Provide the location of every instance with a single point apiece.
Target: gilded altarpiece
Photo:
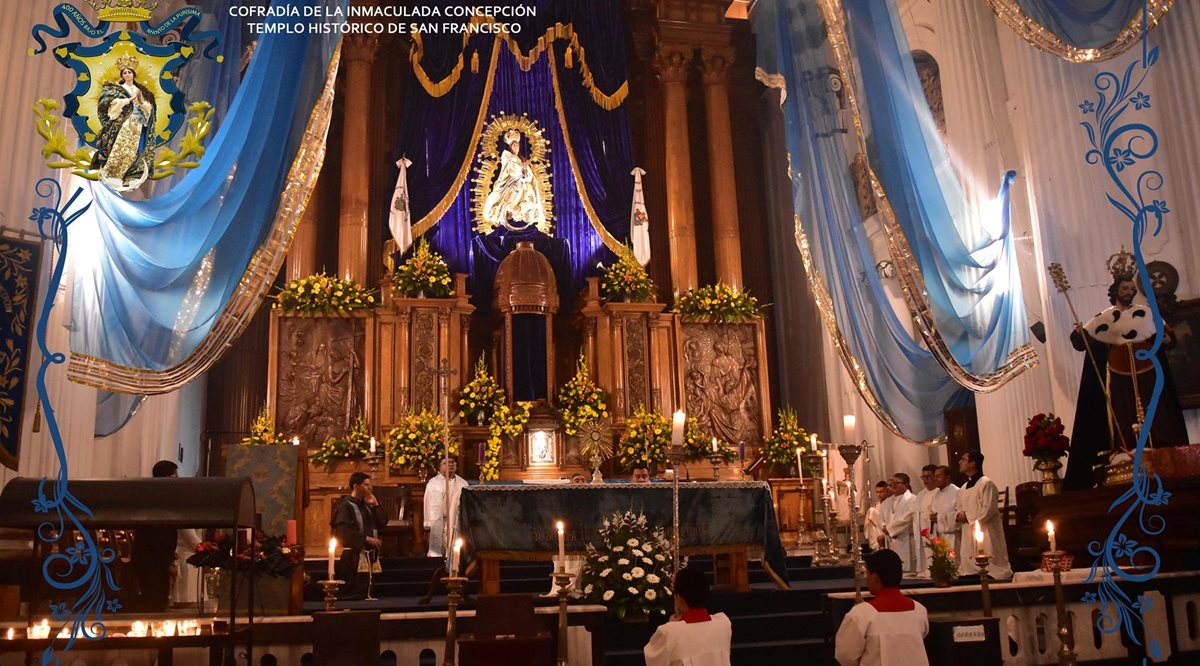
(722, 371)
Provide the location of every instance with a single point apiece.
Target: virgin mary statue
(515, 195)
(127, 114)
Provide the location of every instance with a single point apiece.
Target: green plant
(721, 302)
(943, 565)
(425, 271)
(630, 570)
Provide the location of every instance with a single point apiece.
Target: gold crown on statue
(127, 62)
(512, 135)
(1122, 265)
(134, 11)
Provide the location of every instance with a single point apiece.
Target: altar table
(517, 522)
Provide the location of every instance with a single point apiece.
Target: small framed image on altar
(541, 449)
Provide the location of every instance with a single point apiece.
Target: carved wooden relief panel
(424, 348)
(637, 376)
(319, 376)
(721, 379)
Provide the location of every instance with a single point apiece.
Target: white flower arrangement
(619, 573)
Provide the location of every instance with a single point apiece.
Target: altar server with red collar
(692, 637)
(888, 630)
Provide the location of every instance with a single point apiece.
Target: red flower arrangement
(1044, 437)
(273, 555)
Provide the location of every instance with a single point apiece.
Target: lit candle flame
(978, 534)
(295, 441)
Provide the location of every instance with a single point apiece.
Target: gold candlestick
(1054, 561)
(454, 585)
(850, 453)
(330, 587)
(373, 462)
(562, 579)
(981, 561)
(715, 461)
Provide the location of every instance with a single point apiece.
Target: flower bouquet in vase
(629, 571)
(1046, 443)
(418, 441)
(943, 568)
(481, 396)
(645, 440)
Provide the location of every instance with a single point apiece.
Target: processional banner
(19, 262)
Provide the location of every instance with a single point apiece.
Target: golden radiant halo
(488, 157)
(595, 440)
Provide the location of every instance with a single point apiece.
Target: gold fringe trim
(558, 31)
(907, 269)
(432, 217)
(256, 280)
(1011, 14)
(609, 241)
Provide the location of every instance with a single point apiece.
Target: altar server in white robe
(942, 508)
(888, 630)
(435, 505)
(978, 503)
(921, 521)
(692, 637)
(873, 525)
(885, 514)
(899, 522)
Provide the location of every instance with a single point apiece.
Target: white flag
(639, 221)
(399, 220)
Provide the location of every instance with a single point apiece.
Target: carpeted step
(770, 626)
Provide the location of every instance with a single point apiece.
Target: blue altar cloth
(521, 518)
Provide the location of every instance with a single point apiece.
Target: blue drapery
(1084, 24)
(968, 260)
(972, 287)
(439, 135)
(168, 267)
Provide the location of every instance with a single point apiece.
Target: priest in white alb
(440, 514)
(978, 502)
(921, 521)
(942, 509)
(899, 522)
(873, 525)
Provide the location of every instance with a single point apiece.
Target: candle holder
(454, 586)
(330, 587)
(981, 562)
(824, 548)
(850, 453)
(373, 462)
(715, 461)
(562, 580)
(1055, 561)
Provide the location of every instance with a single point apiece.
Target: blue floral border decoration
(1121, 145)
(82, 567)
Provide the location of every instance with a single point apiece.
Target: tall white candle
(562, 548)
(455, 557)
(332, 548)
(295, 441)
(812, 442)
(800, 462)
(1053, 540)
(714, 444)
(677, 422)
(848, 423)
(372, 446)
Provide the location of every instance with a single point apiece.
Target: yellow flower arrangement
(324, 294)
(721, 302)
(780, 447)
(418, 441)
(356, 445)
(482, 395)
(627, 279)
(262, 431)
(645, 440)
(425, 272)
(697, 445)
(580, 399)
(505, 422)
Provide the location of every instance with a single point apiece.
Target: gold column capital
(360, 48)
(671, 62)
(715, 62)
